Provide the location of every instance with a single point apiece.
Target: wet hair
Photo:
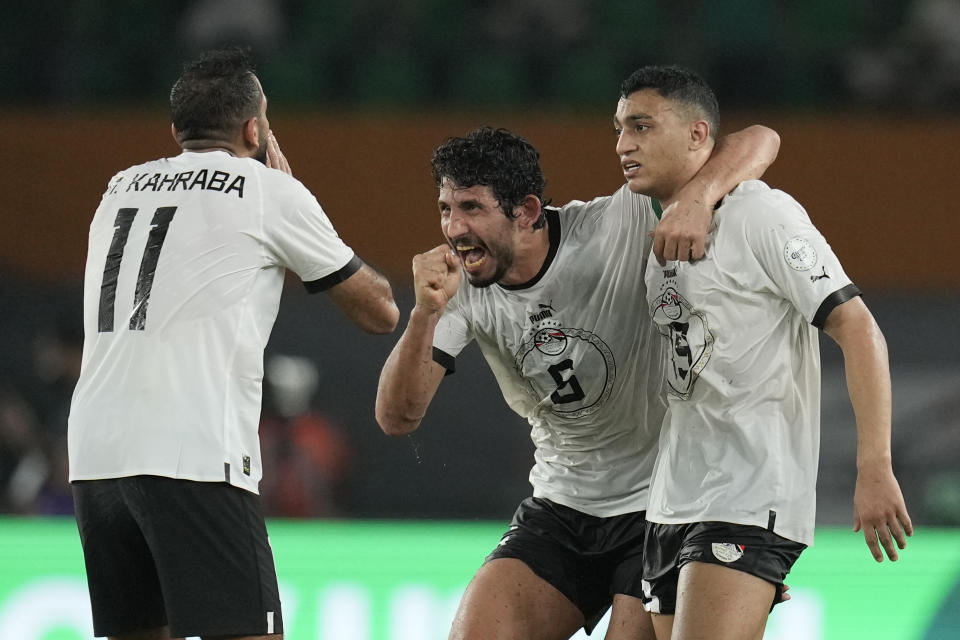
(494, 158)
(679, 85)
(214, 95)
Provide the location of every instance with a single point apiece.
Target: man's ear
(528, 211)
(251, 132)
(699, 134)
(174, 133)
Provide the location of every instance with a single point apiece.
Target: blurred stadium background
(375, 536)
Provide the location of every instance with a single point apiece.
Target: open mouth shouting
(472, 254)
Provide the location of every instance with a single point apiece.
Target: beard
(261, 153)
(504, 260)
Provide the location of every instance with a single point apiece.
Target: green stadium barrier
(401, 580)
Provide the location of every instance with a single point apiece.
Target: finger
(658, 246)
(905, 521)
(856, 522)
(684, 249)
(453, 262)
(271, 152)
(870, 535)
(698, 249)
(887, 541)
(670, 250)
(899, 534)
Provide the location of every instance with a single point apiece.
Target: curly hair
(680, 85)
(214, 95)
(494, 158)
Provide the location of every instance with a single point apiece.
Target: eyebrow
(633, 117)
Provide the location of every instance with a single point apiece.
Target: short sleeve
(452, 333)
(796, 256)
(298, 232)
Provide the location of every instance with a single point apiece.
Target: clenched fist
(436, 276)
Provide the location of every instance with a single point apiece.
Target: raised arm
(410, 377)
(365, 296)
(878, 506)
(739, 156)
(367, 300)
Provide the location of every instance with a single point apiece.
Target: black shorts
(754, 550)
(191, 555)
(587, 558)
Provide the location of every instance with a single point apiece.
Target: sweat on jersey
(574, 353)
(741, 437)
(185, 267)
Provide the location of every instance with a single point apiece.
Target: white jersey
(185, 267)
(740, 443)
(574, 354)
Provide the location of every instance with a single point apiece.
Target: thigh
(213, 558)
(125, 594)
(720, 603)
(507, 600)
(576, 553)
(629, 620)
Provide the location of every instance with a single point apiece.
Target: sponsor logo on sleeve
(800, 254)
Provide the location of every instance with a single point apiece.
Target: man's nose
(456, 225)
(624, 144)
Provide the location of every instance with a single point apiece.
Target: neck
(685, 177)
(203, 146)
(530, 256)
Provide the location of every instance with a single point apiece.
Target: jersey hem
(80, 477)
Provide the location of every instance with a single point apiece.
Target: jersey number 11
(111, 269)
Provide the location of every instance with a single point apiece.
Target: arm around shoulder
(367, 299)
(742, 155)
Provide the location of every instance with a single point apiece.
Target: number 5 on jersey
(148, 265)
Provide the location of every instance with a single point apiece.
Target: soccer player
(185, 267)
(732, 499)
(553, 297)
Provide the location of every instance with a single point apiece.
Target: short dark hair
(214, 95)
(680, 85)
(494, 158)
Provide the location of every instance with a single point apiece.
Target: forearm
(868, 383)
(867, 367)
(367, 299)
(739, 156)
(410, 377)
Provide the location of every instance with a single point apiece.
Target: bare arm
(739, 156)
(367, 300)
(410, 377)
(878, 506)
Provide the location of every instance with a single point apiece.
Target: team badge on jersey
(550, 341)
(800, 254)
(727, 551)
(569, 371)
(691, 342)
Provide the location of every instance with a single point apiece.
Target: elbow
(772, 140)
(385, 321)
(394, 424)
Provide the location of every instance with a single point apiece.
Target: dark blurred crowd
(816, 53)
